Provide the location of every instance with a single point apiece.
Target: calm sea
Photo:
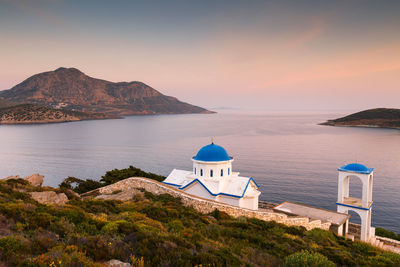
(288, 154)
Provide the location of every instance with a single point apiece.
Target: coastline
(358, 125)
(111, 117)
(55, 121)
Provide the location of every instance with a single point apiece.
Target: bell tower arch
(362, 206)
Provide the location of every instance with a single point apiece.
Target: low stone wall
(389, 241)
(266, 205)
(205, 205)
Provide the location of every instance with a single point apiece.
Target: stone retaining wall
(206, 206)
(389, 244)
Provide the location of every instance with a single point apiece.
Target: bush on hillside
(305, 258)
(386, 233)
(82, 186)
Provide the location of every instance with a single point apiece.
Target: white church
(212, 178)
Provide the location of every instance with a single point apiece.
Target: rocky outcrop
(49, 197)
(11, 177)
(116, 263)
(72, 194)
(35, 179)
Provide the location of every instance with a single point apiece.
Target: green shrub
(321, 237)
(64, 256)
(82, 186)
(175, 226)
(219, 215)
(363, 248)
(117, 175)
(43, 240)
(40, 220)
(386, 259)
(307, 259)
(116, 227)
(11, 247)
(386, 233)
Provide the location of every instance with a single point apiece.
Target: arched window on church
(229, 171)
(211, 173)
(201, 172)
(222, 172)
(194, 170)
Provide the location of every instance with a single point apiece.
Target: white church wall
(198, 190)
(229, 200)
(249, 203)
(226, 168)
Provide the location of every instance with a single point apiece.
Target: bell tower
(361, 206)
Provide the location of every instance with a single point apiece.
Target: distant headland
(374, 118)
(67, 94)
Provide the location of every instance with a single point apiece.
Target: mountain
(69, 88)
(379, 117)
(5, 103)
(30, 113)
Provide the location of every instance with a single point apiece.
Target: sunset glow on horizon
(272, 55)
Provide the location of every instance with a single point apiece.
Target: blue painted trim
(224, 194)
(360, 208)
(251, 178)
(194, 157)
(361, 172)
(171, 184)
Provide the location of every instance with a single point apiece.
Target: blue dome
(212, 152)
(356, 167)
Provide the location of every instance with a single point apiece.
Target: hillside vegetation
(379, 117)
(155, 230)
(29, 113)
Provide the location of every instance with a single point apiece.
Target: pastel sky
(273, 55)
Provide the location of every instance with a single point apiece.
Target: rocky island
(67, 94)
(377, 118)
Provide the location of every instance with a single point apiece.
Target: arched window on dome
(211, 173)
(195, 170)
(222, 172)
(201, 172)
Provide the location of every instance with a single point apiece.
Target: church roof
(357, 168)
(235, 187)
(212, 152)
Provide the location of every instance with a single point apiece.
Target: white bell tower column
(361, 206)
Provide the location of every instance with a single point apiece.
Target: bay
(289, 155)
